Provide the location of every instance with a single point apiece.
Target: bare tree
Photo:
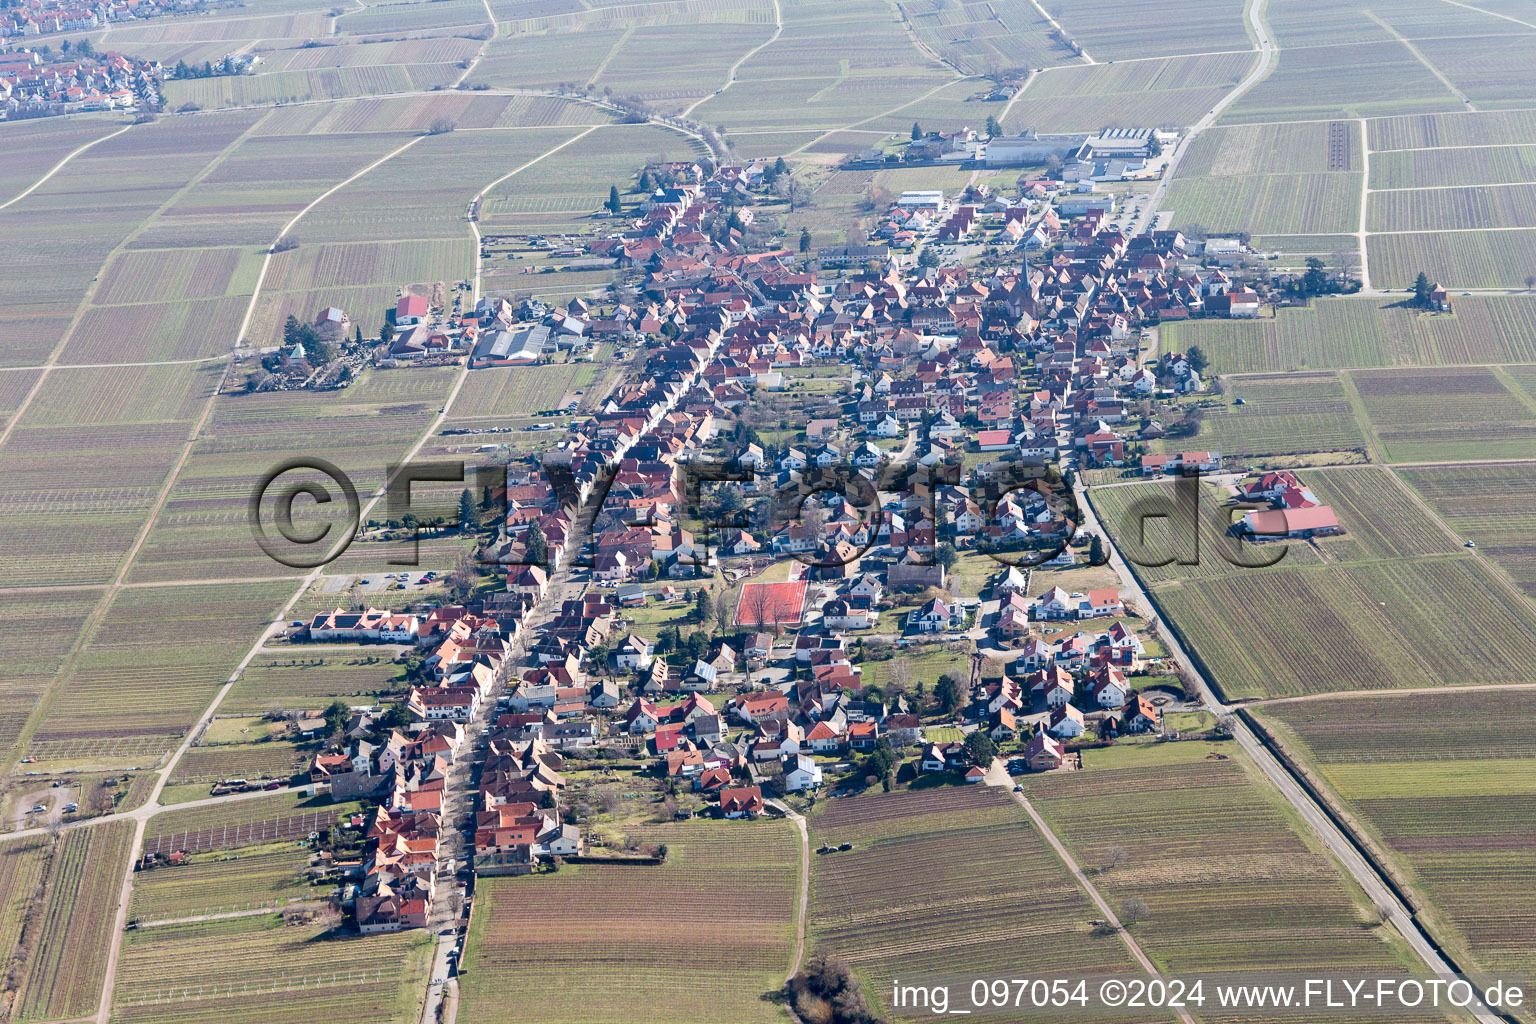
(723, 614)
(1530, 282)
(1115, 857)
(1134, 910)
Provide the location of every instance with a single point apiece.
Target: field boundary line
(730, 75)
(997, 777)
(805, 883)
(1521, 598)
(87, 300)
(1493, 14)
(44, 704)
(474, 229)
(1058, 27)
(266, 261)
(60, 166)
(1365, 201)
(1418, 56)
(1374, 448)
(1412, 691)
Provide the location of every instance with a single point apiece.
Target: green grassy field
(257, 969)
(222, 882)
(1283, 414)
(728, 890)
(948, 880)
(1476, 416)
(1218, 857)
(1446, 785)
(1365, 332)
(1490, 505)
(1459, 259)
(311, 677)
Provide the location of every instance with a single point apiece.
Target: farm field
(1244, 149)
(274, 87)
(1491, 505)
(1441, 168)
(1476, 416)
(138, 662)
(730, 884)
(1423, 622)
(131, 177)
(1292, 204)
(283, 804)
(1365, 79)
(807, 78)
(1394, 601)
(648, 62)
(563, 192)
(1493, 70)
(23, 868)
(66, 959)
(979, 35)
(270, 759)
(954, 880)
(1174, 91)
(256, 969)
(1444, 785)
(33, 148)
(1284, 414)
(1365, 332)
(523, 390)
(1459, 259)
(1219, 874)
(47, 625)
(1451, 130)
(1119, 29)
(1460, 208)
(1334, 250)
(310, 678)
(203, 528)
(239, 879)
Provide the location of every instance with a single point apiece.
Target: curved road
(1267, 51)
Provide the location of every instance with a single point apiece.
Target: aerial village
(826, 539)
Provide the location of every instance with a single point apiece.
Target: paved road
(1267, 51)
(1333, 838)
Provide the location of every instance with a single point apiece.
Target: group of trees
(209, 69)
(1422, 287)
(1316, 280)
(826, 992)
(317, 351)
